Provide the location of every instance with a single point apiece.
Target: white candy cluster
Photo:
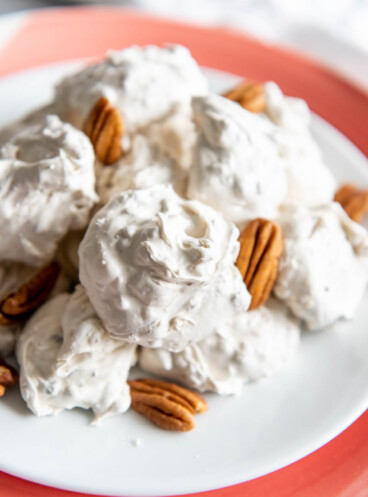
(253, 345)
(67, 360)
(236, 165)
(47, 187)
(310, 182)
(159, 269)
(144, 84)
(153, 238)
(324, 265)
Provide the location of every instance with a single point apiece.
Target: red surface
(340, 468)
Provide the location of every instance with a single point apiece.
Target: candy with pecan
(258, 260)
(354, 201)
(8, 376)
(104, 127)
(29, 296)
(249, 94)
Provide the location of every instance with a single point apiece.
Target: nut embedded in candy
(29, 296)
(104, 127)
(249, 94)
(258, 260)
(8, 376)
(353, 200)
(165, 404)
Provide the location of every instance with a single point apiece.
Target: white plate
(274, 422)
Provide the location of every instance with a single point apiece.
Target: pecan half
(104, 127)
(353, 200)
(8, 376)
(29, 296)
(167, 405)
(258, 260)
(249, 94)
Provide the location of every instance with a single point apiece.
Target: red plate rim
(338, 469)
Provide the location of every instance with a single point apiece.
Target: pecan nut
(250, 95)
(29, 296)
(353, 200)
(258, 260)
(165, 404)
(104, 127)
(8, 376)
